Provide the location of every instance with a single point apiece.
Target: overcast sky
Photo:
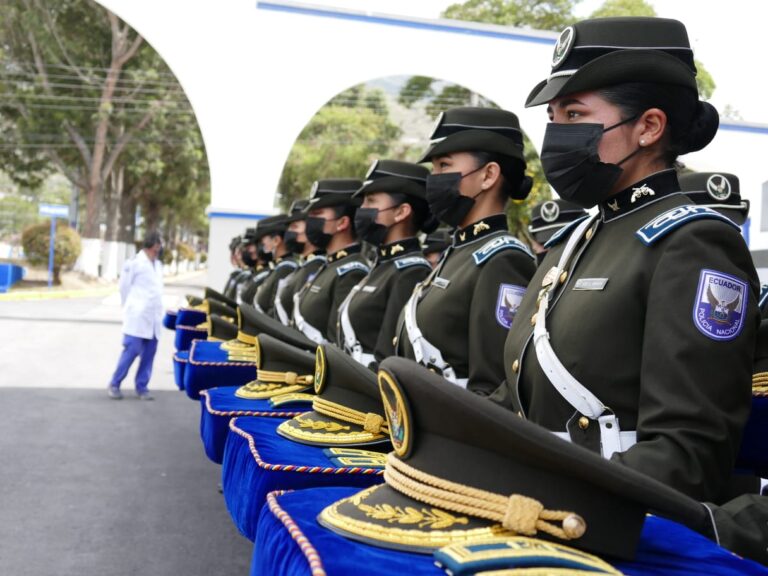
(727, 37)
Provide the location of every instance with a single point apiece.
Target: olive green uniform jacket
(629, 321)
(265, 295)
(292, 283)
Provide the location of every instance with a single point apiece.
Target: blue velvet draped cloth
(185, 335)
(753, 456)
(219, 405)
(290, 542)
(257, 461)
(180, 360)
(169, 320)
(209, 367)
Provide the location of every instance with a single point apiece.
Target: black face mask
(292, 243)
(367, 227)
(315, 232)
(247, 259)
(444, 199)
(264, 256)
(572, 165)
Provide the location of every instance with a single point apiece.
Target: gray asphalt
(92, 486)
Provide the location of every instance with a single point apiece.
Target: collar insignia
(462, 236)
(641, 191)
(718, 187)
(396, 248)
(614, 205)
(479, 227)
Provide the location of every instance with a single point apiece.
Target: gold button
(588, 235)
(533, 319)
(563, 277)
(583, 422)
(515, 365)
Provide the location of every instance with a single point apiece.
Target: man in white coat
(141, 292)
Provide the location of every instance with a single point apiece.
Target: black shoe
(114, 393)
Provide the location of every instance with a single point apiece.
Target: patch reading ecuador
(507, 304)
(721, 301)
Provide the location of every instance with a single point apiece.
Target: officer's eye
(573, 114)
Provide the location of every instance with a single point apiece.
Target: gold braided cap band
(334, 424)
(517, 513)
(760, 384)
(269, 383)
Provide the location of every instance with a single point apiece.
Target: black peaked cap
(272, 225)
(603, 52)
(255, 323)
(221, 329)
(468, 129)
(279, 356)
(334, 192)
(550, 216)
(395, 177)
(211, 294)
(297, 210)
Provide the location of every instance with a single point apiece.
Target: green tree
(537, 14)
(613, 8)
(66, 247)
(340, 141)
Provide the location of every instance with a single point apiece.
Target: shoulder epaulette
(563, 233)
(349, 267)
(498, 244)
(670, 220)
(287, 264)
(260, 275)
(409, 261)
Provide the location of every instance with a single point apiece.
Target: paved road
(91, 486)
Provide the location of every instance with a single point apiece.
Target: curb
(56, 294)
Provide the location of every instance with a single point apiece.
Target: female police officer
(636, 336)
(456, 321)
(393, 210)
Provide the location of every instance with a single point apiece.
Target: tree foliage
(537, 14)
(340, 141)
(66, 247)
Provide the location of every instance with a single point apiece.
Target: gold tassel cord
(373, 423)
(290, 378)
(518, 513)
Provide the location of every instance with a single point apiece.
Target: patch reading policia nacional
(507, 304)
(720, 305)
(465, 472)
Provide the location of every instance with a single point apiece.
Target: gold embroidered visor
(269, 384)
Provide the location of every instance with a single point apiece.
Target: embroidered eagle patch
(721, 302)
(507, 303)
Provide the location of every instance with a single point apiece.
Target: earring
(642, 142)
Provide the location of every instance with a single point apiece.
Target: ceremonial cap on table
(347, 408)
(281, 369)
(716, 190)
(550, 216)
(465, 470)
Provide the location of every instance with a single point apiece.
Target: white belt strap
(612, 439)
(423, 350)
(282, 313)
(627, 439)
(303, 326)
(352, 345)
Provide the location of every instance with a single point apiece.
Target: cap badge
(718, 187)
(563, 46)
(641, 191)
(550, 211)
(319, 370)
(397, 413)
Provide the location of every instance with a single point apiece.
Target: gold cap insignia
(398, 414)
(319, 370)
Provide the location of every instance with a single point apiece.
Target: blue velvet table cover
(219, 405)
(290, 542)
(180, 360)
(257, 460)
(209, 367)
(185, 335)
(753, 456)
(169, 320)
(190, 317)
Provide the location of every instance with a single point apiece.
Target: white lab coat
(141, 292)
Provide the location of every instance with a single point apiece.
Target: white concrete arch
(255, 72)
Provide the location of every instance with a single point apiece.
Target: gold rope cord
(760, 384)
(518, 513)
(290, 378)
(373, 423)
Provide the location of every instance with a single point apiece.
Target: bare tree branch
(39, 64)
(79, 142)
(71, 175)
(52, 28)
(124, 139)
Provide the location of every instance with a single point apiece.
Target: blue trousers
(134, 346)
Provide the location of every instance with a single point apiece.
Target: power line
(117, 100)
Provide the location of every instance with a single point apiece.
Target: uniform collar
(484, 227)
(397, 249)
(641, 193)
(344, 252)
(313, 256)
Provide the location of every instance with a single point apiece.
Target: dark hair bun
(430, 224)
(703, 127)
(526, 183)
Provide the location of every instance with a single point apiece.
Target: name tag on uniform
(315, 288)
(369, 289)
(441, 283)
(590, 283)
